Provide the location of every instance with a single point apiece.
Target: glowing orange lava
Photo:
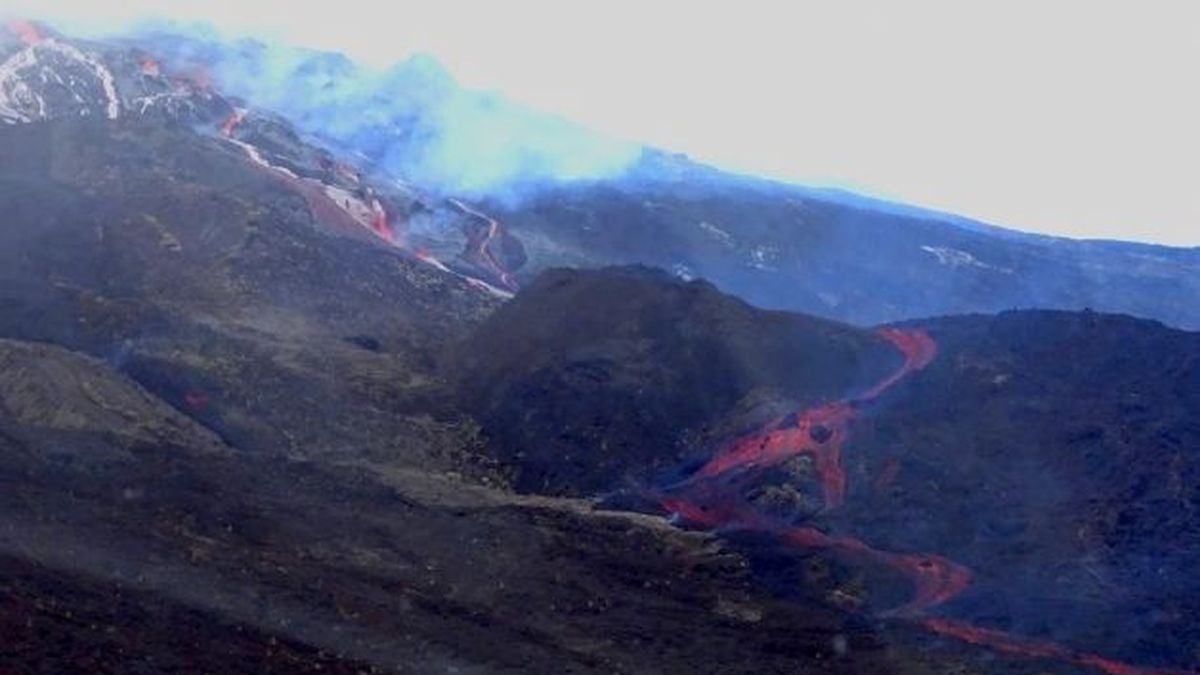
(1012, 644)
(379, 222)
(713, 498)
(232, 122)
(479, 245)
(26, 31)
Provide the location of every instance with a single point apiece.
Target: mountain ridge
(777, 245)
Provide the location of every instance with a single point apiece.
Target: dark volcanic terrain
(1050, 454)
(254, 419)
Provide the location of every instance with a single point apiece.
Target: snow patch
(19, 102)
(15, 93)
(955, 258)
(717, 233)
(113, 102)
(762, 256)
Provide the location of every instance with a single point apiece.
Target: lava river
(714, 498)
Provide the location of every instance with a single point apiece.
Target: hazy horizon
(1067, 119)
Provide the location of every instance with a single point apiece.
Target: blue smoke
(411, 121)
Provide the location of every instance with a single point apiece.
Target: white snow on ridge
(14, 91)
(717, 233)
(256, 156)
(18, 100)
(113, 104)
(952, 257)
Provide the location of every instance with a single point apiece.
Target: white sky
(1071, 117)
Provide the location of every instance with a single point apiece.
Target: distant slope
(857, 260)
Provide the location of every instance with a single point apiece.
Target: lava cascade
(713, 498)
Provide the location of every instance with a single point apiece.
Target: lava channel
(713, 498)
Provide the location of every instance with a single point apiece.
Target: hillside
(267, 407)
(1042, 459)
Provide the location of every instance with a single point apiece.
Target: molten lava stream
(479, 245)
(233, 122)
(713, 498)
(26, 31)
(1028, 647)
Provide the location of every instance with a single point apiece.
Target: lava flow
(379, 222)
(820, 432)
(714, 498)
(349, 211)
(1011, 644)
(232, 122)
(150, 67)
(479, 245)
(25, 30)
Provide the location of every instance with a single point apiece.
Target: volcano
(267, 405)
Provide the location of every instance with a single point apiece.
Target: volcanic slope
(134, 540)
(820, 251)
(259, 443)
(589, 378)
(251, 425)
(1025, 481)
(186, 265)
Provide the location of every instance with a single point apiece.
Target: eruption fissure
(714, 498)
